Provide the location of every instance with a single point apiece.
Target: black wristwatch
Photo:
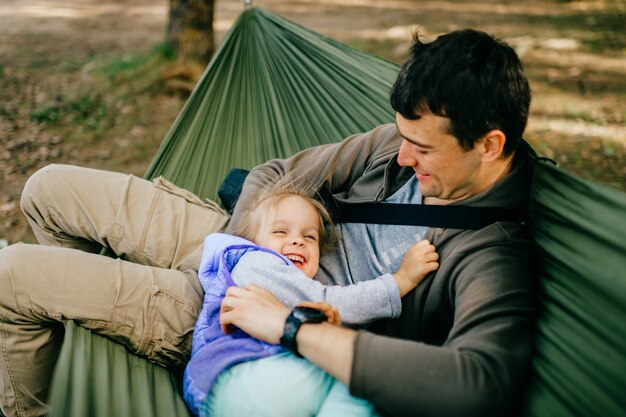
(297, 317)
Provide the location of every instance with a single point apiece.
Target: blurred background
(99, 82)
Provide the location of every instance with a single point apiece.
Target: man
(463, 342)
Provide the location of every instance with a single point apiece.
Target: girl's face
(292, 230)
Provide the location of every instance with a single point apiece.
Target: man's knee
(11, 258)
(40, 180)
(11, 255)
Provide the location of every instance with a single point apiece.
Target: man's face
(292, 230)
(445, 171)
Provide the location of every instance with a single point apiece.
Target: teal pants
(281, 386)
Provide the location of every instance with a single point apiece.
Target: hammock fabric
(96, 377)
(580, 234)
(275, 87)
(272, 89)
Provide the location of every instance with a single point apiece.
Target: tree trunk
(190, 29)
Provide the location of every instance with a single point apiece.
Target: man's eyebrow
(413, 141)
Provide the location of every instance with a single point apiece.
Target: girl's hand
(331, 312)
(419, 261)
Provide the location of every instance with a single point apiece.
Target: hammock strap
(448, 216)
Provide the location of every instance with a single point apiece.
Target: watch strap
(298, 316)
(288, 339)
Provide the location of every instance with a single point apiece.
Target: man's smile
(422, 177)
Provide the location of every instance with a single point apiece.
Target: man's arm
(335, 166)
(257, 312)
(329, 347)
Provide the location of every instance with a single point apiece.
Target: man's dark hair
(471, 78)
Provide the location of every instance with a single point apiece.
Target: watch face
(309, 315)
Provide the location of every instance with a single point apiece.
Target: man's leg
(152, 223)
(150, 310)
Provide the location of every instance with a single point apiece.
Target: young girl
(286, 232)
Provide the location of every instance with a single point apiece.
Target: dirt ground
(56, 108)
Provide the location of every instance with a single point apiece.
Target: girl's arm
(357, 304)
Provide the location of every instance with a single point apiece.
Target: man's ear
(493, 145)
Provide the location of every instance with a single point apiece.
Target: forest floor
(90, 83)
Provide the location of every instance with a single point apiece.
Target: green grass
(87, 110)
(598, 31)
(138, 64)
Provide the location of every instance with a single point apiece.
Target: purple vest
(212, 350)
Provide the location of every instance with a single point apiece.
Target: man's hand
(258, 313)
(419, 261)
(255, 311)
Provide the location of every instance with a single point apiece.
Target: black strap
(449, 216)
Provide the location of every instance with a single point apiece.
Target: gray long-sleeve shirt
(357, 304)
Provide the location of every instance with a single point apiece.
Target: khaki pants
(147, 300)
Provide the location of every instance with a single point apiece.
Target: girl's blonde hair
(270, 198)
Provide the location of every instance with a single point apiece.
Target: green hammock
(274, 88)
(580, 234)
(96, 377)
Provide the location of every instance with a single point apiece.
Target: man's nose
(405, 158)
